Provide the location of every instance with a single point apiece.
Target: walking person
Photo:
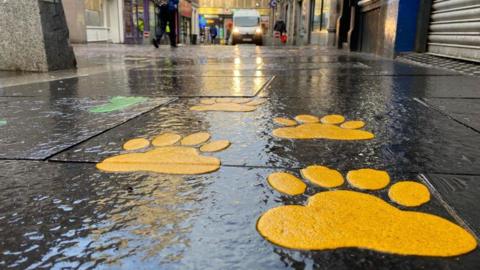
(281, 28)
(213, 33)
(167, 11)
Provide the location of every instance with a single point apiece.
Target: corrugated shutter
(455, 29)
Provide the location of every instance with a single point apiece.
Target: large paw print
(345, 218)
(311, 127)
(170, 154)
(228, 104)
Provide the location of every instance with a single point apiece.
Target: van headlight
(258, 30)
(236, 30)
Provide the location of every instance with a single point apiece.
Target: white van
(246, 27)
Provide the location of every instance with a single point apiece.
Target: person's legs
(162, 17)
(172, 23)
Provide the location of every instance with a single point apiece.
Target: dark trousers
(166, 16)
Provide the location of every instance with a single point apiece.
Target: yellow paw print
(345, 218)
(170, 154)
(331, 127)
(228, 104)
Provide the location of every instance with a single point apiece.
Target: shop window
(321, 14)
(94, 14)
(138, 16)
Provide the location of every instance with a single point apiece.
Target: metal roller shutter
(455, 29)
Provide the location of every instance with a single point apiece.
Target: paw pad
(169, 154)
(228, 104)
(345, 218)
(331, 127)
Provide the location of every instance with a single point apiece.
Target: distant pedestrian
(213, 33)
(281, 28)
(167, 10)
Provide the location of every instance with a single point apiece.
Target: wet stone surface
(64, 212)
(418, 143)
(72, 215)
(37, 128)
(466, 111)
(461, 193)
(144, 82)
(317, 86)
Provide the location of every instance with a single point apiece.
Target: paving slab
(132, 82)
(466, 111)
(306, 85)
(460, 192)
(321, 64)
(36, 128)
(409, 136)
(57, 215)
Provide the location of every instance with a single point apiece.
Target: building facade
(125, 21)
(103, 21)
(219, 13)
(95, 20)
(450, 28)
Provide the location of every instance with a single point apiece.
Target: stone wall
(34, 36)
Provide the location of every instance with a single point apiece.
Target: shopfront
(222, 19)
(319, 21)
(139, 21)
(185, 21)
(102, 21)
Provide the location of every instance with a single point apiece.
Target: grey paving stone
(37, 128)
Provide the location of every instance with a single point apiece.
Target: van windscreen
(246, 21)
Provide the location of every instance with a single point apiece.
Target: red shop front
(185, 21)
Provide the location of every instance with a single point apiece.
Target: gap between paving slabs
(258, 93)
(66, 148)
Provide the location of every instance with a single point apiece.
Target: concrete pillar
(332, 22)
(34, 36)
(291, 22)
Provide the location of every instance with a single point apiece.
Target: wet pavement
(59, 211)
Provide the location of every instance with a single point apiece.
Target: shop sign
(261, 11)
(215, 11)
(185, 9)
(264, 11)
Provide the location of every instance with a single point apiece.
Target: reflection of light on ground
(151, 222)
(236, 73)
(258, 82)
(258, 73)
(259, 60)
(237, 84)
(237, 61)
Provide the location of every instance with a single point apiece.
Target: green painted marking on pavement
(3, 122)
(118, 103)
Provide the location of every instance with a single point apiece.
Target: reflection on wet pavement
(58, 210)
(228, 105)
(73, 216)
